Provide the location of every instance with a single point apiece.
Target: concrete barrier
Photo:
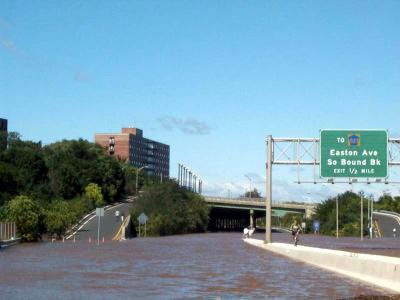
(383, 271)
(10, 242)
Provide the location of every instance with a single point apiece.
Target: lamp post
(137, 175)
(337, 217)
(362, 217)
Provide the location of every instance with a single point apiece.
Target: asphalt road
(386, 224)
(109, 224)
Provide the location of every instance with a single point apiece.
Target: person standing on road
(295, 228)
(117, 215)
(394, 232)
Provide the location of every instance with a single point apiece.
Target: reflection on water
(201, 266)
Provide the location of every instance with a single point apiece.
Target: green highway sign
(353, 153)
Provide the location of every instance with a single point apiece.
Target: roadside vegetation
(349, 213)
(170, 210)
(46, 189)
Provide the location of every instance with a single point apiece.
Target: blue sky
(210, 78)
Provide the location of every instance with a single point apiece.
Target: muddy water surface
(214, 265)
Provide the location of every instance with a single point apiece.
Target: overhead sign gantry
(346, 155)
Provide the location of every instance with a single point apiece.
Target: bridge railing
(388, 212)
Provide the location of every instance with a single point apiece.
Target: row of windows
(153, 153)
(149, 144)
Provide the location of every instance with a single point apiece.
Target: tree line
(349, 204)
(171, 209)
(45, 189)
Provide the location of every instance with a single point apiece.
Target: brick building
(131, 146)
(3, 134)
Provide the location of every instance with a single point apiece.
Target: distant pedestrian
(245, 232)
(394, 232)
(117, 215)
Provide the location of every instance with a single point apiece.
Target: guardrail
(8, 230)
(388, 212)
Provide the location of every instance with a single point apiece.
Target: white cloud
(187, 126)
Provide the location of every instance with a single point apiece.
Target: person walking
(296, 229)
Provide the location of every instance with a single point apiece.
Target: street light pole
(362, 217)
(137, 175)
(372, 217)
(337, 217)
(249, 178)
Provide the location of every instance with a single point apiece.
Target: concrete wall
(383, 271)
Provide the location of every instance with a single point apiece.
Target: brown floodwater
(212, 265)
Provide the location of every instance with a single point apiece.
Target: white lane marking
(72, 234)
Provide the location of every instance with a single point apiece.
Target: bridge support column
(251, 218)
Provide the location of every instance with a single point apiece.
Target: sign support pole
(98, 231)
(99, 213)
(268, 196)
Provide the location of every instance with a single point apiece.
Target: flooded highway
(212, 265)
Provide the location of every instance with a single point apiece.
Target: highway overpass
(237, 213)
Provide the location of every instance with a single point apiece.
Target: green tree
(387, 202)
(253, 194)
(93, 193)
(59, 217)
(8, 183)
(171, 210)
(26, 214)
(74, 164)
(349, 214)
(25, 163)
